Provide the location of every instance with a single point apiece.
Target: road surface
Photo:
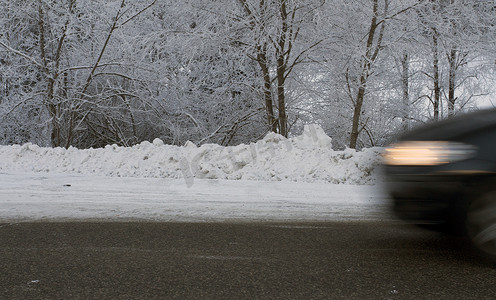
(326, 260)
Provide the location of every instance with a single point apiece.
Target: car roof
(453, 127)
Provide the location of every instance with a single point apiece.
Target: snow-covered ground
(275, 179)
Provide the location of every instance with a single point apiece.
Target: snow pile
(305, 158)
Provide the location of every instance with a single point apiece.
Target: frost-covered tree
(92, 73)
(358, 64)
(204, 90)
(277, 41)
(66, 54)
(455, 32)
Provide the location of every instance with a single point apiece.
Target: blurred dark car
(443, 175)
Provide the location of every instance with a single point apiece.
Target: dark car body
(444, 173)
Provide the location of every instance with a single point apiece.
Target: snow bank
(305, 158)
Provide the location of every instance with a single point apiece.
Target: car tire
(480, 224)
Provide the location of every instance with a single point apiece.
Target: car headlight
(426, 153)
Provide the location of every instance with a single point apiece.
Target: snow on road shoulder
(305, 158)
(59, 197)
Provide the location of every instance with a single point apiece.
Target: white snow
(275, 179)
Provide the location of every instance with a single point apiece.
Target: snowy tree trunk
(283, 52)
(436, 81)
(371, 53)
(267, 88)
(405, 85)
(451, 81)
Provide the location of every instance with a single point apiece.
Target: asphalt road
(136, 260)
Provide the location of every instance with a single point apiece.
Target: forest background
(89, 73)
